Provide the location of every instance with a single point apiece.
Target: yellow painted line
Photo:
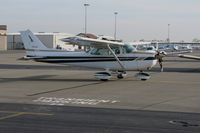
(32, 113)
(15, 114)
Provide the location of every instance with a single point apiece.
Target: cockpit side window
(100, 52)
(104, 51)
(93, 51)
(116, 50)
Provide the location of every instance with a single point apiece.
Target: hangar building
(51, 40)
(3, 37)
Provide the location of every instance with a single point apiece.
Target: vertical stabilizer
(31, 42)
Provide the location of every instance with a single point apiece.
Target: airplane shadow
(47, 78)
(180, 70)
(44, 67)
(42, 78)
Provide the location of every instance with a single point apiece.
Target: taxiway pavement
(177, 89)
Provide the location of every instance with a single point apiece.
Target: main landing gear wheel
(142, 76)
(104, 79)
(121, 75)
(103, 76)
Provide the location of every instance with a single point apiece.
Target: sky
(136, 19)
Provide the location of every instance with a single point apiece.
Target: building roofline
(43, 34)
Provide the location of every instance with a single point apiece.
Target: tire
(104, 79)
(119, 76)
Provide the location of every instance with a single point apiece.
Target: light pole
(168, 39)
(115, 33)
(86, 5)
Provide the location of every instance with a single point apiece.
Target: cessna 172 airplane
(111, 56)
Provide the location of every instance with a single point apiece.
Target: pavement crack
(62, 89)
(153, 104)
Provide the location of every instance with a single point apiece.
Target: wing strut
(122, 66)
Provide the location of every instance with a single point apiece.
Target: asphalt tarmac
(40, 97)
(56, 119)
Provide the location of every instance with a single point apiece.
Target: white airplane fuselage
(130, 61)
(108, 55)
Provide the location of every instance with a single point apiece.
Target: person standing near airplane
(160, 60)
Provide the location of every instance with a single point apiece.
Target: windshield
(127, 48)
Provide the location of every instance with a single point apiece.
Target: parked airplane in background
(182, 47)
(111, 56)
(156, 47)
(189, 57)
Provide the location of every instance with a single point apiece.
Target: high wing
(98, 42)
(189, 57)
(82, 41)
